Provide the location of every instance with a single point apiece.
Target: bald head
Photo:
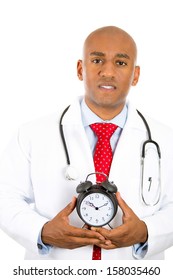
(108, 70)
(110, 33)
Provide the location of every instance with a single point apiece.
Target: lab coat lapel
(125, 169)
(77, 142)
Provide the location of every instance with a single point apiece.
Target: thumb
(69, 208)
(123, 205)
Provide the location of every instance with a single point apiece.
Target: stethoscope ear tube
(149, 137)
(62, 136)
(70, 172)
(152, 142)
(143, 154)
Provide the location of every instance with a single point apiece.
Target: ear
(136, 75)
(79, 70)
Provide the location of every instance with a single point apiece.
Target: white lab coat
(32, 174)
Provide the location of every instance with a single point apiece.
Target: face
(108, 70)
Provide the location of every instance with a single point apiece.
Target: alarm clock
(96, 204)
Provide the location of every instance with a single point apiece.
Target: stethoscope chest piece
(71, 173)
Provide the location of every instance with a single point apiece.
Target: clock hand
(90, 204)
(103, 205)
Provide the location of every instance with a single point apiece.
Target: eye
(97, 61)
(121, 63)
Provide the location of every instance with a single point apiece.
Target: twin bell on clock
(97, 204)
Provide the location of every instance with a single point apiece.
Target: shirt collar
(89, 117)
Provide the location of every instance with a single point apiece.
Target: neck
(105, 113)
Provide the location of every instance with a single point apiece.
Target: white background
(40, 43)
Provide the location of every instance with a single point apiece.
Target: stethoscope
(150, 189)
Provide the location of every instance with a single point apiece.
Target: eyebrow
(119, 55)
(97, 54)
(123, 55)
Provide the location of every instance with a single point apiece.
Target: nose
(107, 70)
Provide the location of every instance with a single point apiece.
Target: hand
(132, 231)
(58, 232)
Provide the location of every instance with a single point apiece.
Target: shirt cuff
(43, 249)
(140, 250)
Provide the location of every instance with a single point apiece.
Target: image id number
(133, 270)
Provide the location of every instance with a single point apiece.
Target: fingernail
(93, 228)
(107, 242)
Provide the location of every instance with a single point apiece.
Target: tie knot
(103, 130)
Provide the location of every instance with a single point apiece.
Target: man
(32, 167)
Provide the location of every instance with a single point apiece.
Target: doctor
(37, 197)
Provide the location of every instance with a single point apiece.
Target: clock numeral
(90, 218)
(83, 208)
(97, 221)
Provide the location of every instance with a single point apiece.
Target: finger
(85, 226)
(74, 242)
(84, 233)
(108, 246)
(111, 235)
(103, 231)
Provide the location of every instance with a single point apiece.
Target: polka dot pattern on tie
(103, 151)
(102, 160)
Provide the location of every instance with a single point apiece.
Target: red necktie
(102, 160)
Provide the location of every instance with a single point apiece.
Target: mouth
(107, 87)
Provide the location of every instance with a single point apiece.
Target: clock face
(97, 209)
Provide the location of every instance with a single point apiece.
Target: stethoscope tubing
(148, 141)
